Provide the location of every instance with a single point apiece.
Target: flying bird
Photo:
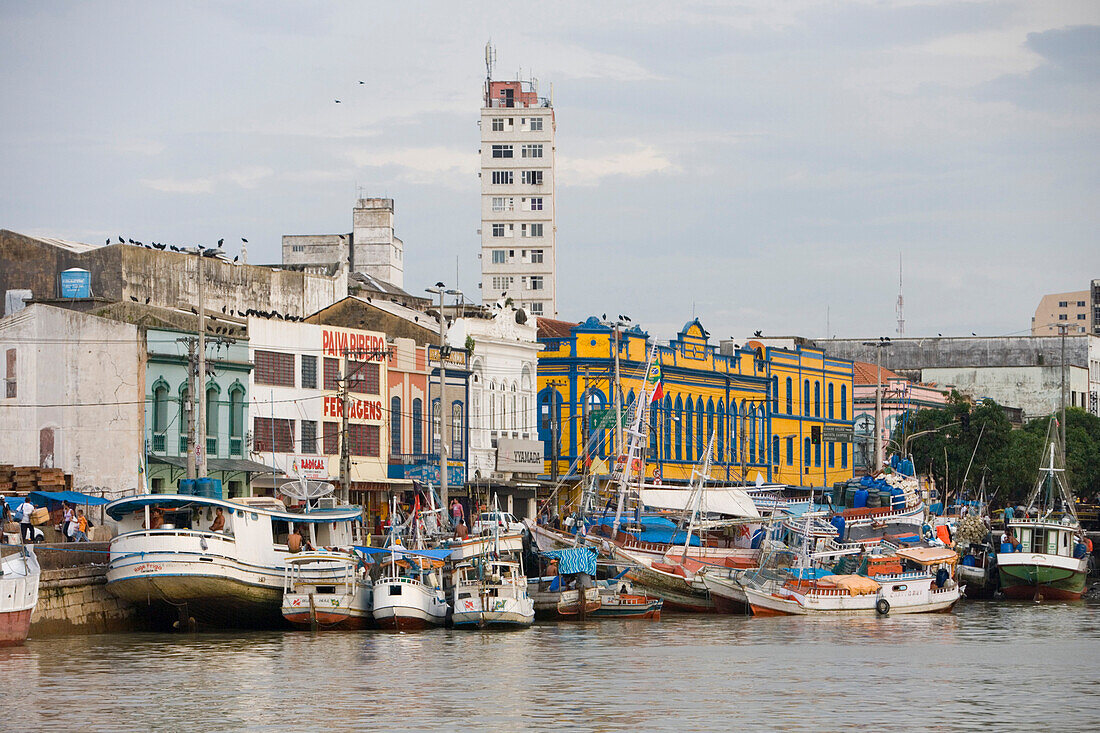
(244, 240)
(362, 82)
(337, 101)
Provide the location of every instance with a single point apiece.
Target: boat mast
(635, 448)
(697, 495)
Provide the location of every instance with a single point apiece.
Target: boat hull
(1025, 576)
(405, 618)
(211, 600)
(630, 607)
(18, 597)
(329, 611)
(727, 594)
(14, 627)
(769, 604)
(494, 619)
(407, 606)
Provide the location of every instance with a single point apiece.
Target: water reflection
(1033, 663)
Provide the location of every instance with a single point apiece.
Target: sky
(758, 165)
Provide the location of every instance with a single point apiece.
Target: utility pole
(189, 407)
(200, 393)
(555, 427)
(444, 412)
(345, 449)
(879, 345)
(1062, 330)
(618, 396)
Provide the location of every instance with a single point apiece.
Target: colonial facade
(748, 400)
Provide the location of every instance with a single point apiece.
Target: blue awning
(575, 560)
(405, 552)
(45, 498)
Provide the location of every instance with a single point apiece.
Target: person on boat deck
(294, 540)
(306, 544)
(156, 519)
(219, 521)
(461, 532)
(457, 512)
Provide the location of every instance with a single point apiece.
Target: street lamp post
(441, 290)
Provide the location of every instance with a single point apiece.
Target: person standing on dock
(80, 534)
(457, 512)
(26, 529)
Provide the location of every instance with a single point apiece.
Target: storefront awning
(242, 465)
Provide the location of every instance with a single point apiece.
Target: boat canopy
(121, 507)
(857, 585)
(928, 555)
(715, 500)
(574, 560)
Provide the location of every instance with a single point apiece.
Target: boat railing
(121, 543)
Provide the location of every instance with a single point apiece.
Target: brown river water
(1004, 666)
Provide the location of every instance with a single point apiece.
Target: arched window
(790, 397)
(549, 418)
(236, 420)
(762, 434)
(492, 406)
(817, 398)
(830, 400)
(666, 427)
(701, 436)
(752, 434)
(832, 455)
(678, 424)
(654, 418)
(597, 438)
(735, 457)
(843, 454)
(774, 401)
(185, 397)
(689, 430)
(775, 449)
(806, 397)
(436, 427)
(417, 425)
(395, 424)
(212, 404)
(160, 409)
(710, 426)
(806, 453)
(720, 421)
(843, 402)
(512, 418)
(457, 447)
(817, 455)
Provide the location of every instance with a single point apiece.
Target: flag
(654, 380)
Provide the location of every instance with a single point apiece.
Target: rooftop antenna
(490, 60)
(901, 302)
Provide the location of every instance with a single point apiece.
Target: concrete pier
(73, 596)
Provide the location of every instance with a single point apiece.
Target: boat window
(324, 534)
(255, 516)
(178, 520)
(900, 587)
(464, 595)
(331, 589)
(280, 530)
(1025, 540)
(395, 590)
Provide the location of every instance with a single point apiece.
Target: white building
(370, 248)
(518, 253)
(296, 408)
(73, 396)
(503, 427)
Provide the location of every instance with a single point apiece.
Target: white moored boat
(409, 594)
(232, 577)
(491, 593)
(18, 595)
(341, 601)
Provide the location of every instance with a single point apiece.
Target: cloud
(433, 164)
(248, 178)
(643, 160)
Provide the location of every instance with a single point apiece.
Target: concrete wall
(122, 272)
(75, 600)
(1036, 390)
(315, 249)
(377, 251)
(80, 377)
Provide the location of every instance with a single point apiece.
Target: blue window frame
(843, 402)
(752, 434)
(668, 425)
(720, 422)
(806, 397)
(806, 453)
(395, 424)
(418, 425)
(817, 455)
(678, 425)
(775, 449)
(790, 451)
(830, 400)
(817, 398)
(689, 430)
(790, 397)
(832, 457)
(843, 455)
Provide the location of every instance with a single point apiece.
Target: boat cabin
(1048, 538)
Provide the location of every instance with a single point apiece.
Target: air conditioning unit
(326, 502)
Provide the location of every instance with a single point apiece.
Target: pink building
(899, 396)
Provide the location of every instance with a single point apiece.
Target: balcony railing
(211, 446)
(160, 441)
(518, 104)
(183, 445)
(235, 446)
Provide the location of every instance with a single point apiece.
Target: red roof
(864, 373)
(553, 329)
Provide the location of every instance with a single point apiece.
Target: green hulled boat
(1049, 559)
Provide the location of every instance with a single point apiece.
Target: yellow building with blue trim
(761, 404)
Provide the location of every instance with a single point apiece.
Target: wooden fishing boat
(491, 594)
(1048, 557)
(343, 600)
(409, 596)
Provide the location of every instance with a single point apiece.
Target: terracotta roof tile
(864, 373)
(554, 329)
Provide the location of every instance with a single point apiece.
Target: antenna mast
(490, 60)
(901, 302)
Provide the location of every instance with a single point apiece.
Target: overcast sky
(762, 164)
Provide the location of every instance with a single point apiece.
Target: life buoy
(882, 606)
(637, 464)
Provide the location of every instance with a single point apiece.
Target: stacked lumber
(25, 479)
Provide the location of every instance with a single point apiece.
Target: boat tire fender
(882, 607)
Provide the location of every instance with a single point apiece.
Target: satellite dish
(306, 490)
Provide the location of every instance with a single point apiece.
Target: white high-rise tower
(518, 256)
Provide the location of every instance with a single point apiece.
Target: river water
(1011, 665)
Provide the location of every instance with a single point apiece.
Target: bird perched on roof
(147, 300)
(236, 258)
(108, 240)
(133, 299)
(220, 243)
(757, 334)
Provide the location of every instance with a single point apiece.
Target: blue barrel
(838, 522)
(211, 488)
(187, 486)
(860, 499)
(1006, 547)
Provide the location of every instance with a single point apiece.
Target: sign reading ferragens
(519, 456)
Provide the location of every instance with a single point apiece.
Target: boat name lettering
(149, 567)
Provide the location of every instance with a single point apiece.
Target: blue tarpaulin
(574, 560)
(50, 498)
(654, 529)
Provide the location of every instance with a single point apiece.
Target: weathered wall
(1034, 389)
(359, 313)
(123, 272)
(76, 601)
(998, 351)
(77, 376)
